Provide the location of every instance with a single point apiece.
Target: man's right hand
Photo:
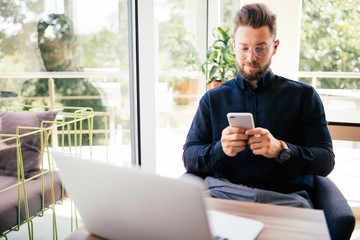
(233, 140)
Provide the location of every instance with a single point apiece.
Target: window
(182, 27)
(182, 39)
(85, 54)
(330, 62)
(328, 45)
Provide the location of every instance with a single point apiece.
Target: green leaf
(213, 79)
(203, 70)
(224, 34)
(213, 71)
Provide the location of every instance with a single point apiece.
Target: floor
(346, 175)
(43, 225)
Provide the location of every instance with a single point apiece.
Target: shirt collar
(265, 81)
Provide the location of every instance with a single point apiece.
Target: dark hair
(255, 16)
(60, 26)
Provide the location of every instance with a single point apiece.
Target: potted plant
(220, 59)
(184, 58)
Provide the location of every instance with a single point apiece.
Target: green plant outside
(329, 41)
(183, 56)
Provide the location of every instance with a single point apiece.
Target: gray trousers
(221, 188)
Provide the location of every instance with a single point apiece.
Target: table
(280, 222)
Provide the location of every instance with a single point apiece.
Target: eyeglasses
(259, 51)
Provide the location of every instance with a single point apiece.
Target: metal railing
(104, 74)
(60, 75)
(341, 105)
(316, 75)
(115, 73)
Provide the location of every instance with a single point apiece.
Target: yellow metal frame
(76, 117)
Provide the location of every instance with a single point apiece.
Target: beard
(253, 75)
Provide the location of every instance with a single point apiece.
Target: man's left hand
(262, 142)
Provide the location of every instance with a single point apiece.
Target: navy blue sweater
(290, 110)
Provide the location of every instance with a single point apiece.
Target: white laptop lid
(122, 203)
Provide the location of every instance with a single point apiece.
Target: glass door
(184, 30)
(81, 47)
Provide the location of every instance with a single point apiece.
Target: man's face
(254, 49)
(57, 56)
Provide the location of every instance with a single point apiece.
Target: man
(57, 43)
(275, 161)
(58, 46)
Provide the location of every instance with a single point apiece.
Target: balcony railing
(316, 75)
(104, 74)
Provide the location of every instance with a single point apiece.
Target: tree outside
(330, 40)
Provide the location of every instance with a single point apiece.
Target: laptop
(128, 203)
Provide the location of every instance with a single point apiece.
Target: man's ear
(233, 43)
(276, 44)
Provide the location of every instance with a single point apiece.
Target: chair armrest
(339, 216)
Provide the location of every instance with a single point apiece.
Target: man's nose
(251, 55)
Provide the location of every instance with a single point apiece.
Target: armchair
(338, 214)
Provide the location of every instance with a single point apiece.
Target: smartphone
(241, 119)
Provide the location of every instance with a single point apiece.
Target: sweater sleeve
(315, 156)
(202, 155)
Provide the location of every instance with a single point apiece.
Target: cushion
(9, 208)
(30, 145)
